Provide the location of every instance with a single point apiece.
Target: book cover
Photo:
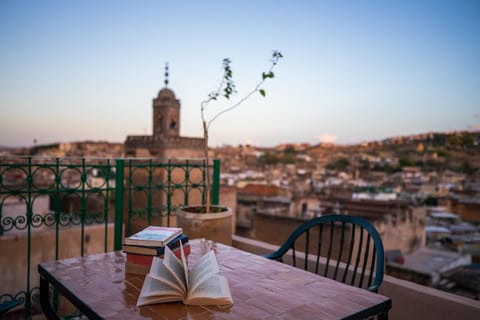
(134, 268)
(154, 236)
(155, 250)
(147, 259)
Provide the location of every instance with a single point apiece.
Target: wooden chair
(342, 247)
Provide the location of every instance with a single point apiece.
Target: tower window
(173, 125)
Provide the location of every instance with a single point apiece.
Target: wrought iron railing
(55, 208)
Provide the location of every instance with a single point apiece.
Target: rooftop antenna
(166, 74)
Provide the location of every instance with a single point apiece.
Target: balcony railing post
(216, 182)
(119, 194)
(83, 205)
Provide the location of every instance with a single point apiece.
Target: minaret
(166, 111)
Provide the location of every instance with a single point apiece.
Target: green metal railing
(46, 204)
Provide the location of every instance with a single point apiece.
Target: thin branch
(236, 104)
(244, 98)
(211, 96)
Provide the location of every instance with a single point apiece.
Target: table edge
(46, 278)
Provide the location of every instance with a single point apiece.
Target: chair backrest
(350, 247)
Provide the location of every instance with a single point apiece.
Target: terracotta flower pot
(215, 226)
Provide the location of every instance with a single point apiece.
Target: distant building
(468, 207)
(426, 265)
(165, 142)
(260, 198)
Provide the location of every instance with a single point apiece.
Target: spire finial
(166, 74)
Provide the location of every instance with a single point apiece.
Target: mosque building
(165, 142)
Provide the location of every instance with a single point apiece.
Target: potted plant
(208, 221)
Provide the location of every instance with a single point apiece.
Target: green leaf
(262, 92)
(264, 75)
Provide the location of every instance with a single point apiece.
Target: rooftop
(430, 261)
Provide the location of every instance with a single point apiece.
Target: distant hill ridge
(454, 139)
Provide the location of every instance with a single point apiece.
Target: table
(262, 289)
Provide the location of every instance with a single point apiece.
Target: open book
(170, 280)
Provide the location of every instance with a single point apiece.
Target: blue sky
(352, 70)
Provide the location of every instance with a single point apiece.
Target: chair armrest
(373, 288)
(273, 256)
(270, 255)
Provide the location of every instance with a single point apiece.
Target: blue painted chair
(341, 247)
(7, 305)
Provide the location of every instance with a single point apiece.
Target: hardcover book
(140, 264)
(147, 259)
(133, 268)
(155, 250)
(170, 280)
(153, 236)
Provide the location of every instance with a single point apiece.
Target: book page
(176, 268)
(159, 272)
(154, 291)
(185, 267)
(212, 291)
(206, 267)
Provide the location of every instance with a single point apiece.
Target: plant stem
(207, 165)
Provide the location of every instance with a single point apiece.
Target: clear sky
(352, 70)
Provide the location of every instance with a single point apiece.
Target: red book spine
(147, 260)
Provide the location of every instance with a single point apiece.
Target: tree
(226, 89)
(405, 161)
(431, 201)
(339, 165)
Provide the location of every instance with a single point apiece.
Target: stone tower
(166, 114)
(165, 141)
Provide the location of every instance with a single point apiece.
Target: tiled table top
(261, 289)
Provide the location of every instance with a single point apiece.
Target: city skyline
(352, 72)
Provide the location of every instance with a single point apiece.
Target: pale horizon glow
(353, 71)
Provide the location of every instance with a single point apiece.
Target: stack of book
(141, 247)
